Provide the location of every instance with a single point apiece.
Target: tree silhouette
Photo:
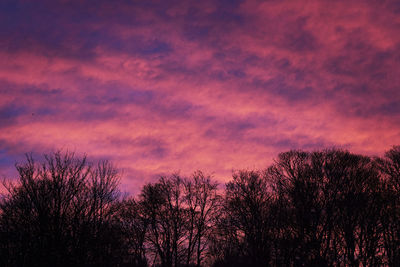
(181, 214)
(202, 203)
(134, 226)
(390, 168)
(246, 223)
(321, 208)
(332, 204)
(162, 205)
(59, 213)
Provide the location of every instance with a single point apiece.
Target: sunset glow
(164, 86)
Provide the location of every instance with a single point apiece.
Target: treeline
(324, 208)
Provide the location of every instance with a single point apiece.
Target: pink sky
(164, 86)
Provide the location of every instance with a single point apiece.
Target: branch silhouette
(321, 208)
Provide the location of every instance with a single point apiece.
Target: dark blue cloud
(288, 142)
(391, 108)
(116, 93)
(5, 159)
(228, 130)
(8, 88)
(76, 28)
(10, 113)
(143, 147)
(30, 101)
(103, 101)
(235, 129)
(279, 87)
(66, 29)
(297, 38)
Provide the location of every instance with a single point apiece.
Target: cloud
(160, 86)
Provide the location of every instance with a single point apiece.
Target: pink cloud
(201, 86)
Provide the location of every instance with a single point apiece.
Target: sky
(164, 86)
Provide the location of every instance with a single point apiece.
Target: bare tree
(390, 169)
(58, 213)
(332, 201)
(202, 202)
(322, 208)
(134, 226)
(162, 205)
(246, 221)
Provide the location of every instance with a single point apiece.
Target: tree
(322, 208)
(202, 202)
(134, 226)
(181, 214)
(332, 204)
(390, 169)
(162, 205)
(59, 213)
(246, 223)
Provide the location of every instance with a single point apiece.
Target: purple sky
(162, 86)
